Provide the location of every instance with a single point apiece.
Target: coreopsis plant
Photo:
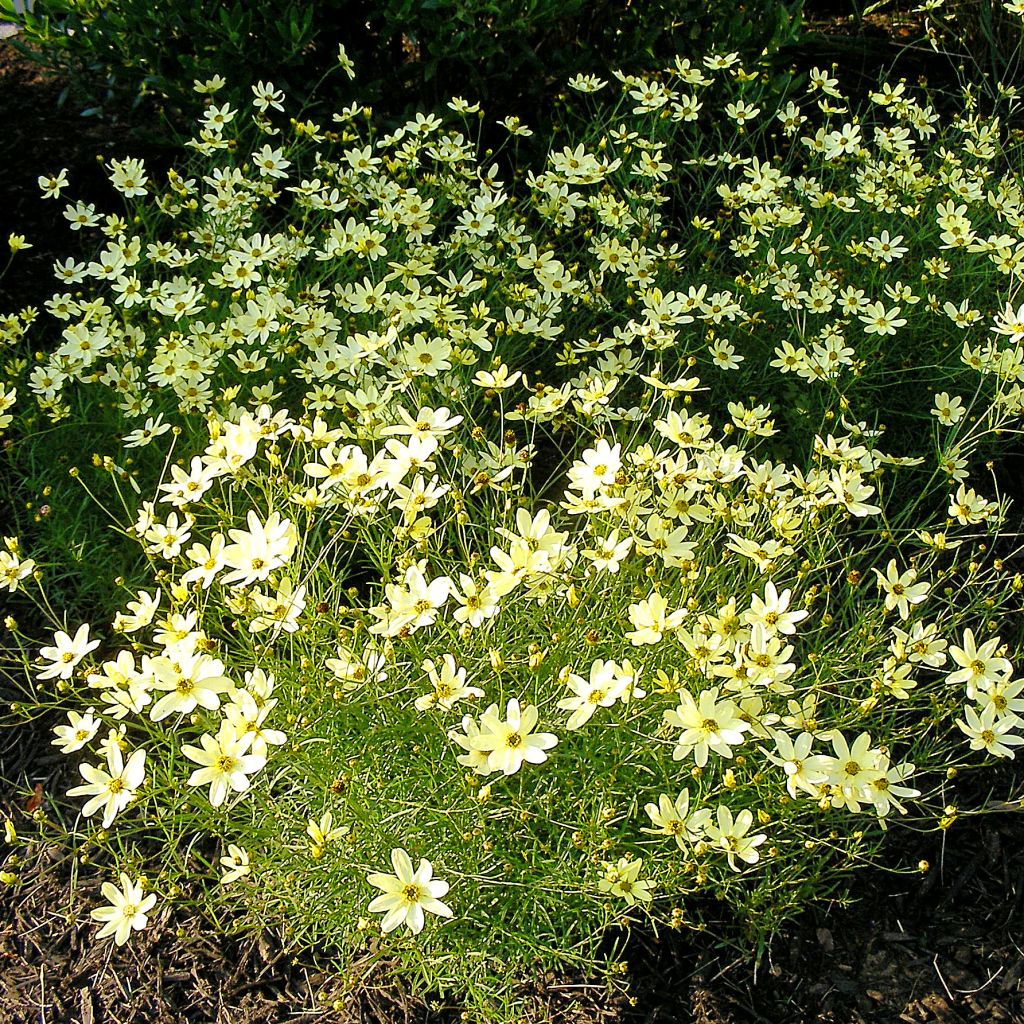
(782, 701)
(462, 529)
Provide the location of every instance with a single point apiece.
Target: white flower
(510, 741)
(987, 733)
(66, 653)
(112, 788)
(708, 725)
(407, 894)
(127, 911)
(235, 864)
(730, 835)
(225, 762)
(623, 879)
(79, 731)
(673, 818)
(948, 411)
(604, 687)
(900, 589)
(449, 683)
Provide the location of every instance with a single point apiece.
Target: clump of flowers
(456, 538)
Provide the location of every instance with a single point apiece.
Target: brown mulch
(944, 947)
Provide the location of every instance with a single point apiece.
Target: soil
(940, 946)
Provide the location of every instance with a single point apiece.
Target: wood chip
(85, 1010)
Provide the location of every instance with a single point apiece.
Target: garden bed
(937, 945)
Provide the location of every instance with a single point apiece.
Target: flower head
(510, 741)
(407, 894)
(127, 911)
(66, 653)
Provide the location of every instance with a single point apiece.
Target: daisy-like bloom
(883, 248)
(604, 687)
(129, 177)
(923, 645)
(407, 894)
(127, 912)
(14, 569)
(667, 541)
(474, 759)
(112, 788)
(52, 184)
(449, 682)
(412, 604)
(623, 879)
(708, 724)
(324, 832)
(879, 320)
(258, 551)
(496, 380)
(543, 544)
(948, 411)
(477, 603)
(608, 552)
(192, 679)
(650, 620)
(970, 508)
(66, 653)
(279, 613)
(765, 661)
(1007, 698)
(803, 769)
(166, 539)
(586, 83)
(900, 589)
(989, 733)
(852, 771)
(139, 613)
(673, 818)
(597, 469)
(79, 731)
(235, 864)
(353, 669)
(772, 611)
(247, 713)
(851, 492)
(979, 666)
(208, 562)
(186, 487)
(510, 741)
(730, 834)
(886, 791)
(225, 762)
(123, 688)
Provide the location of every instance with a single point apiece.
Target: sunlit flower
(987, 732)
(235, 864)
(732, 835)
(675, 819)
(66, 653)
(449, 685)
(113, 788)
(127, 912)
(623, 879)
(900, 589)
(407, 894)
(510, 741)
(77, 733)
(225, 761)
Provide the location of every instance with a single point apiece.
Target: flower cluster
(462, 529)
